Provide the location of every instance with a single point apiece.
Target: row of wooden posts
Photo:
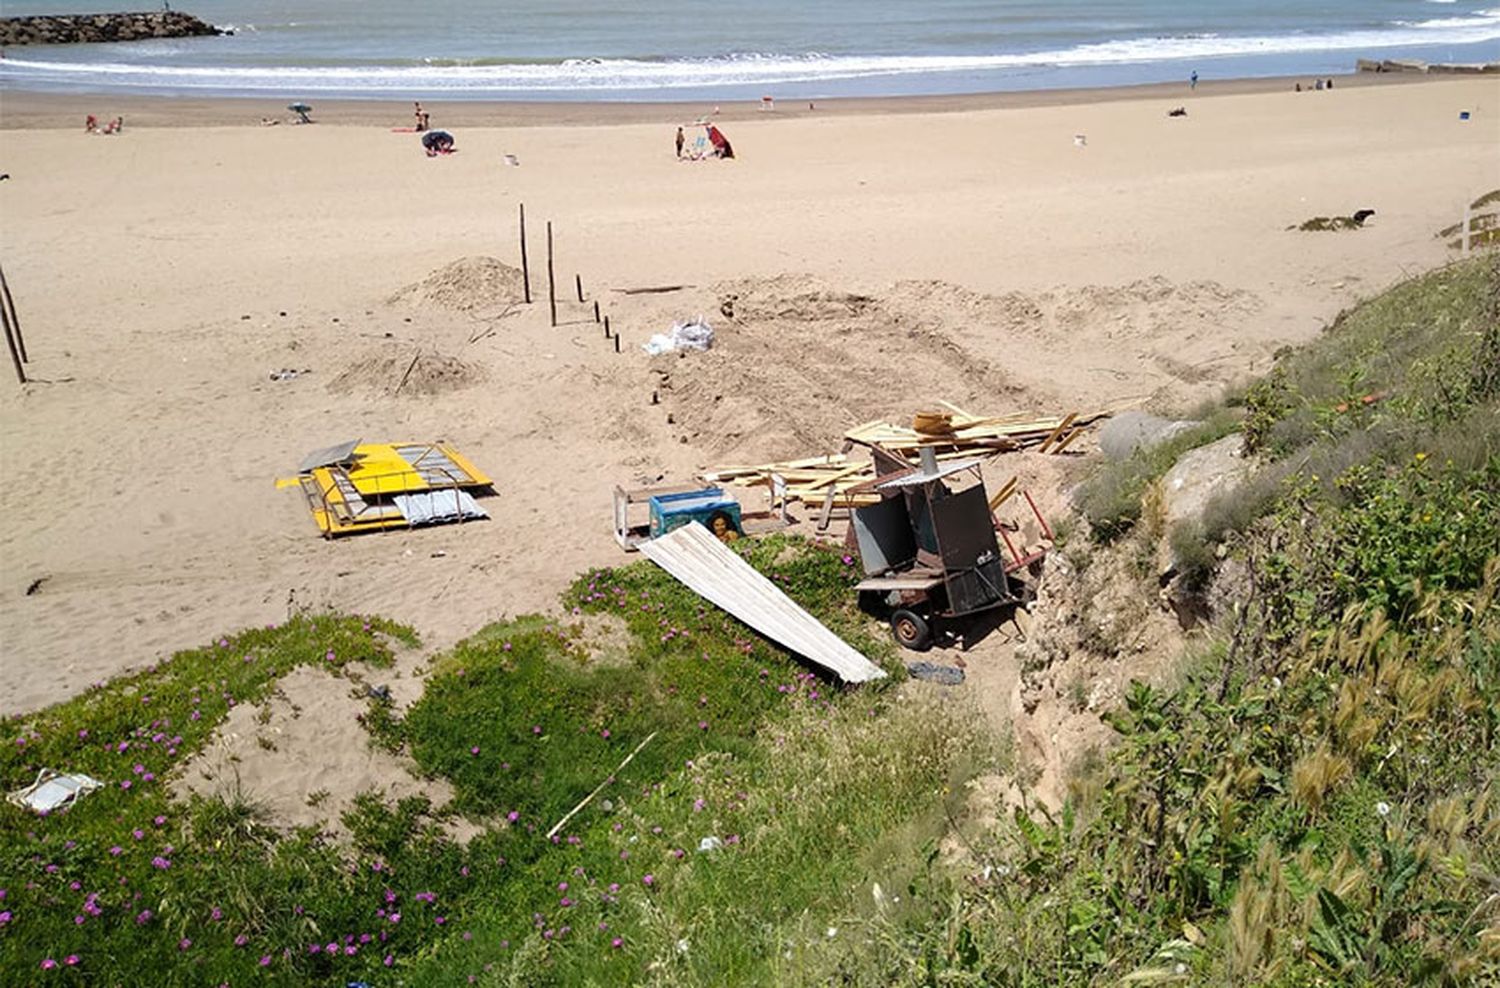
(17, 345)
(13, 339)
(552, 282)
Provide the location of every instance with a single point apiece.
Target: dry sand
(875, 259)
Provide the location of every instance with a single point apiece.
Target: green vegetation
(1112, 498)
(1316, 803)
(1484, 227)
(758, 808)
(1327, 223)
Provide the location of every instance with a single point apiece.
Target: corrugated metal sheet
(709, 568)
(433, 507)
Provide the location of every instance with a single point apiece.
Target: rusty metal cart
(929, 550)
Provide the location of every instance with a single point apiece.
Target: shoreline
(35, 110)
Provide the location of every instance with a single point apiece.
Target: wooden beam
(1061, 427)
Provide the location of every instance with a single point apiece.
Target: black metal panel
(978, 588)
(965, 530)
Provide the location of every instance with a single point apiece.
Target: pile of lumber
(956, 429)
(845, 479)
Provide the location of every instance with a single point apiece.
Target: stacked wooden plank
(843, 479)
(956, 429)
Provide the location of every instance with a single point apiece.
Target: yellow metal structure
(353, 496)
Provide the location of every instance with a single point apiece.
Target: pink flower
(474, 750)
(536, 729)
(48, 964)
(389, 960)
(117, 850)
(184, 943)
(241, 940)
(648, 880)
(617, 943)
(71, 960)
(265, 960)
(703, 725)
(604, 733)
(512, 816)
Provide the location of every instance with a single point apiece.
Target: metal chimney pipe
(929, 460)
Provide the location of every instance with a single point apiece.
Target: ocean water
(718, 49)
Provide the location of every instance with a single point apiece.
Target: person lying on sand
(269, 121)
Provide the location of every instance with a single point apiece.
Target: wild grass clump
(1320, 224)
(1111, 497)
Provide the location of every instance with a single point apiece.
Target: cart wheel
(911, 630)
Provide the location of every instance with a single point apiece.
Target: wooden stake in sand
(606, 327)
(578, 283)
(600, 788)
(10, 343)
(596, 310)
(525, 271)
(551, 282)
(10, 313)
(409, 368)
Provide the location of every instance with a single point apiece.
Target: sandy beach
(1045, 252)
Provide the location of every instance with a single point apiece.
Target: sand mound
(795, 298)
(431, 374)
(799, 364)
(467, 285)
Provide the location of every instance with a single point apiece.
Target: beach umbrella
(301, 109)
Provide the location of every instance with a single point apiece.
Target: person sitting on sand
(438, 142)
(90, 124)
(114, 126)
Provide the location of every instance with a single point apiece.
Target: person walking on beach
(421, 116)
(680, 139)
(1193, 80)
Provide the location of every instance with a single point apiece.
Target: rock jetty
(1426, 68)
(84, 28)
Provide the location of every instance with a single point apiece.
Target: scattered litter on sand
(695, 334)
(53, 790)
(942, 675)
